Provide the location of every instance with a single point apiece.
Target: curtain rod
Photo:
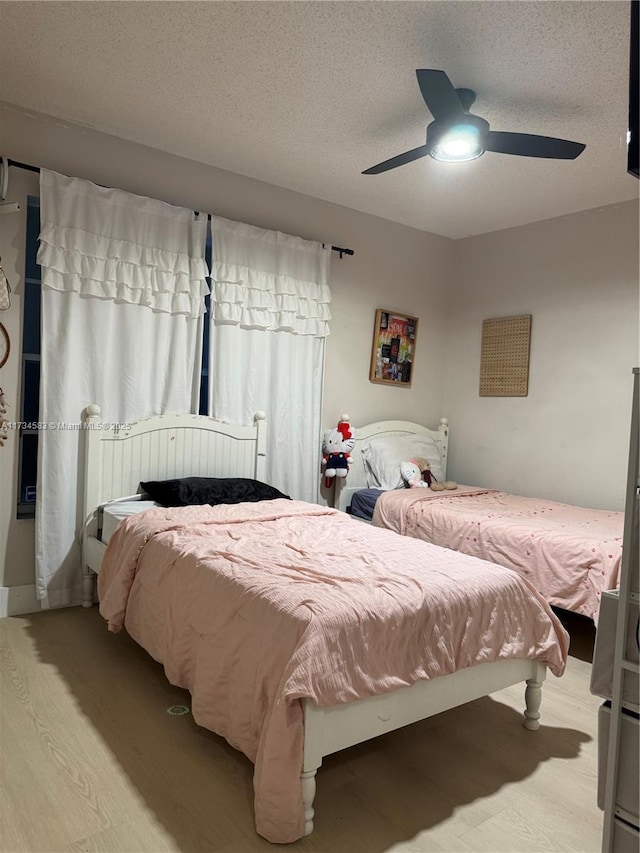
(341, 251)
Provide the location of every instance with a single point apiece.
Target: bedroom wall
(394, 267)
(569, 438)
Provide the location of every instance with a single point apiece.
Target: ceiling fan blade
(530, 145)
(439, 94)
(400, 160)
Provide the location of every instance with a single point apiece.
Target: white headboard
(118, 457)
(357, 479)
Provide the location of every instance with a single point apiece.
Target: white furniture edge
(330, 729)
(623, 666)
(118, 457)
(357, 478)
(113, 468)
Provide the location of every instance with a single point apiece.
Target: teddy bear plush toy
(337, 445)
(425, 470)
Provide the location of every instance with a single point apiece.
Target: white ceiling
(305, 95)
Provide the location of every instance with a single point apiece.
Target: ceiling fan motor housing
(437, 130)
(467, 98)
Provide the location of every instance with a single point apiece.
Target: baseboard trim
(18, 600)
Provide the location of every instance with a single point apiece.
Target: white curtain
(270, 315)
(123, 286)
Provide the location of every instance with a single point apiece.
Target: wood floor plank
(141, 832)
(92, 761)
(529, 831)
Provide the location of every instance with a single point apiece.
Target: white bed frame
(117, 459)
(357, 478)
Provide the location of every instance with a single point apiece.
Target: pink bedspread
(254, 606)
(570, 554)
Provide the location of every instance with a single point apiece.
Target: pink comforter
(570, 554)
(254, 606)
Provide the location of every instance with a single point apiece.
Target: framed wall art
(394, 348)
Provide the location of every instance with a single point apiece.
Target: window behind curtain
(204, 368)
(30, 367)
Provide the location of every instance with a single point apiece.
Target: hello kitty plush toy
(412, 475)
(336, 449)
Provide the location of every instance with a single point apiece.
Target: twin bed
(298, 630)
(569, 554)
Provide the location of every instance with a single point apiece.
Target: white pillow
(382, 456)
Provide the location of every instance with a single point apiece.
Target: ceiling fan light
(458, 145)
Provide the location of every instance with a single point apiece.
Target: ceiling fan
(455, 135)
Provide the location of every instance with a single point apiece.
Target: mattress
(114, 513)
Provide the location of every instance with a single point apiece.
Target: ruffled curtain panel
(110, 244)
(270, 310)
(123, 285)
(268, 280)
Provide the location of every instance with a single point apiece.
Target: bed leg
(533, 699)
(87, 587)
(308, 784)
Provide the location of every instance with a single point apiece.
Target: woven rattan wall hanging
(504, 360)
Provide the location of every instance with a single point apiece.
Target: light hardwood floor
(92, 761)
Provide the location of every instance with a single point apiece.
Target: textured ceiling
(305, 95)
